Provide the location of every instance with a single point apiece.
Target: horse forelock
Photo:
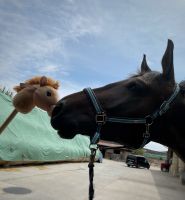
(147, 77)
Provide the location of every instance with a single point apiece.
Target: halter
(101, 119)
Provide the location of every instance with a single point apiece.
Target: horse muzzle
(56, 116)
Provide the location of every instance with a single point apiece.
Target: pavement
(69, 181)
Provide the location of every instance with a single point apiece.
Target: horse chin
(70, 133)
(66, 135)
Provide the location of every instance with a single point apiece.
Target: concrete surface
(69, 181)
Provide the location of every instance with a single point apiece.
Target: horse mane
(137, 74)
(36, 81)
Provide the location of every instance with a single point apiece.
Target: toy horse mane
(37, 81)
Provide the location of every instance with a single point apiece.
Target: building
(113, 150)
(177, 168)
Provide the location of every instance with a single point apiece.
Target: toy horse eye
(48, 93)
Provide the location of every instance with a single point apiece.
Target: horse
(148, 103)
(38, 91)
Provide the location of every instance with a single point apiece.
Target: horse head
(38, 91)
(136, 97)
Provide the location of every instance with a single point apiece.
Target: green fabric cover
(30, 137)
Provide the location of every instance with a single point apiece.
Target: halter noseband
(101, 117)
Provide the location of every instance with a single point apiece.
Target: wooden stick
(8, 120)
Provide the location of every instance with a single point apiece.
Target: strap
(127, 120)
(94, 100)
(166, 104)
(148, 119)
(96, 137)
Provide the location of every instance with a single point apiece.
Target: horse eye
(48, 93)
(132, 86)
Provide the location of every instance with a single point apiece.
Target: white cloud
(69, 87)
(81, 26)
(34, 35)
(48, 69)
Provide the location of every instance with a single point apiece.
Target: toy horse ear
(23, 85)
(43, 81)
(56, 85)
(144, 66)
(167, 62)
(19, 87)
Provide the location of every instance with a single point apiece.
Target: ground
(69, 181)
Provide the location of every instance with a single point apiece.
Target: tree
(138, 152)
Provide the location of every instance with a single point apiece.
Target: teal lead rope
(93, 147)
(91, 173)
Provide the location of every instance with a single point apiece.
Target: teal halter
(101, 118)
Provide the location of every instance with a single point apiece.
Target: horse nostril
(57, 111)
(56, 114)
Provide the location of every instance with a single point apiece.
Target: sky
(85, 43)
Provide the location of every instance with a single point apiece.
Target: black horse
(139, 96)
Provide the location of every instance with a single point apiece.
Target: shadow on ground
(168, 187)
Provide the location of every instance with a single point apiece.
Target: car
(165, 166)
(137, 161)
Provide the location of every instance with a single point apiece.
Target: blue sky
(87, 43)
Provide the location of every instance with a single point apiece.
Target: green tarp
(30, 137)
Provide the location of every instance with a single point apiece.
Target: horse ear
(43, 81)
(144, 66)
(167, 62)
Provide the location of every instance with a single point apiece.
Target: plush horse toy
(38, 91)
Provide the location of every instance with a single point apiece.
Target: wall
(109, 154)
(178, 168)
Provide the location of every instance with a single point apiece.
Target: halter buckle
(101, 118)
(146, 135)
(149, 120)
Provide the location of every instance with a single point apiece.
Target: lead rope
(91, 173)
(93, 147)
